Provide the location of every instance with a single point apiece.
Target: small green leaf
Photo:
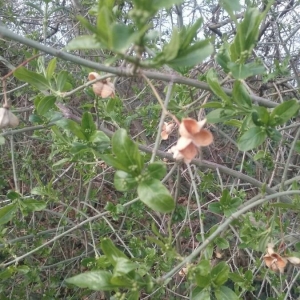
(111, 251)
(156, 196)
(220, 273)
(7, 213)
(171, 49)
(33, 205)
(104, 24)
(260, 116)
(84, 42)
(219, 115)
(35, 79)
(252, 138)
(61, 81)
(87, 125)
(225, 293)
(123, 266)
(200, 294)
(124, 181)
(2, 140)
(243, 71)
(260, 154)
(122, 38)
(73, 127)
(215, 208)
(93, 280)
(192, 56)
(215, 86)
(114, 162)
(156, 170)
(12, 195)
(284, 112)
(203, 274)
(127, 152)
(45, 104)
(240, 95)
(51, 68)
(222, 243)
(100, 139)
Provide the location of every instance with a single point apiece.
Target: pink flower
(192, 137)
(103, 88)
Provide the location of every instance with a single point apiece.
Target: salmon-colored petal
(169, 127)
(275, 262)
(97, 88)
(201, 123)
(93, 75)
(188, 127)
(294, 260)
(189, 153)
(203, 138)
(183, 142)
(164, 135)
(176, 154)
(108, 90)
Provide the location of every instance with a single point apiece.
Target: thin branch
(126, 72)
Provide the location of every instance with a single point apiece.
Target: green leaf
(240, 95)
(104, 24)
(7, 213)
(124, 181)
(122, 38)
(225, 293)
(215, 86)
(252, 138)
(222, 243)
(35, 79)
(260, 116)
(33, 205)
(188, 34)
(2, 140)
(114, 162)
(156, 196)
(220, 273)
(284, 112)
(215, 208)
(84, 42)
(219, 115)
(73, 127)
(127, 152)
(51, 68)
(243, 71)
(100, 139)
(223, 58)
(203, 274)
(45, 105)
(156, 170)
(194, 55)
(200, 294)
(87, 125)
(171, 49)
(123, 266)
(93, 280)
(111, 251)
(61, 81)
(12, 195)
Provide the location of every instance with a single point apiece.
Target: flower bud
(8, 119)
